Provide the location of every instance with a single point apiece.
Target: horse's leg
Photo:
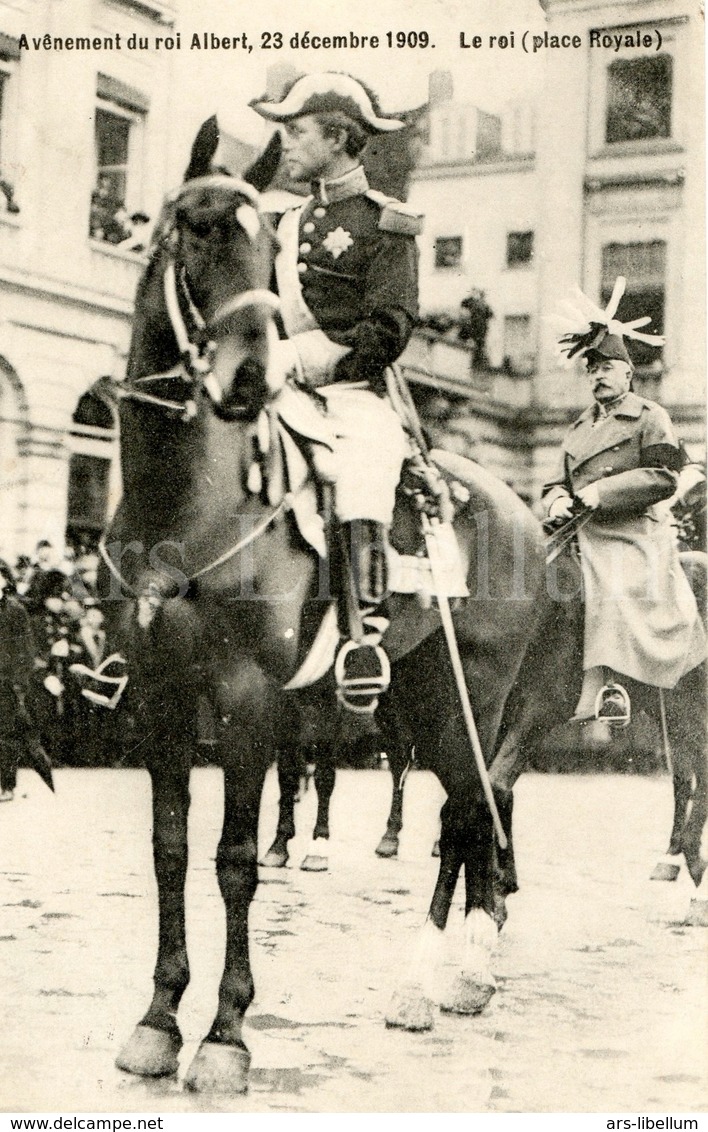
(399, 764)
(222, 1061)
(288, 781)
(668, 867)
(317, 858)
(505, 877)
(475, 984)
(152, 1049)
(411, 1006)
(688, 729)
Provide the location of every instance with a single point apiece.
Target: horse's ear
(264, 168)
(205, 146)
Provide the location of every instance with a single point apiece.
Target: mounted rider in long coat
(621, 460)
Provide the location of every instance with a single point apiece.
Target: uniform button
(305, 248)
(320, 212)
(309, 227)
(302, 268)
(608, 468)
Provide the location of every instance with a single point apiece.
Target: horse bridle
(197, 357)
(195, 366)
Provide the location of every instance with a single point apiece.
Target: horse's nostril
(247, 393)
(251, 372)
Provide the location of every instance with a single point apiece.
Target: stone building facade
(83, 147)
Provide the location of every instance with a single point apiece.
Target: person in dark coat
(621, 459)
(347, 280)
(46, 583)
(16, 666)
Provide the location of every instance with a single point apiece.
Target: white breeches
(369, 449)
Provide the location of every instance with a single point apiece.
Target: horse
(548, 685)
(542, 698)
(217, 593)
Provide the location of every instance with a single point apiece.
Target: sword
(459, 672)
(400, 385)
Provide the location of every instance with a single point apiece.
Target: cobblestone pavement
(602, 1002)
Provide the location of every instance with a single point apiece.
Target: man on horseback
(619, 464)
(347, 279)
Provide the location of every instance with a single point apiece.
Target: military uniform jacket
(641, 618)
(347, 278)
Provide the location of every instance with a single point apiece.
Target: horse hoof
(410, 1009)
(150, 1053)
(314, 864)
(274, 859)
(665, 870)
(436, 850)
(467, 996)
(697, 915)
(387, 847)
(218, 1068)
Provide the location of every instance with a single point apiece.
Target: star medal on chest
(337, 242)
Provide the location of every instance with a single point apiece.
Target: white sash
(297, 316)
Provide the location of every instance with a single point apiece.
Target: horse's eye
(195, 226)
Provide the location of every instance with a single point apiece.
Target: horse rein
(256, 533)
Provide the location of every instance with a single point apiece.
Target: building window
(91, 468)
(639, 99)
(518, 347)
(448, 251)
(644, 267)
(118, 136)
(519, 248)
(88, 499)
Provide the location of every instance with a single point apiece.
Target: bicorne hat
(324, 93)
(589, 330)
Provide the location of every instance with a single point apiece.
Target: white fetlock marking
(319, 847)
(481, 934)
(426, 957)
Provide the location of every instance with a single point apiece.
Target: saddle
(362, 668)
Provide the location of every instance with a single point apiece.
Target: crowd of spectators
(50, 621)
(110, 222)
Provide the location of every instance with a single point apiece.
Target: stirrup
(360, 694)
(613, 705)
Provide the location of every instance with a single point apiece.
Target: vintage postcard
(352, 489)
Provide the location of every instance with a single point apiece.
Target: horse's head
(212, 268)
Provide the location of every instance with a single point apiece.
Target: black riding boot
(362, 669)
(368, 542)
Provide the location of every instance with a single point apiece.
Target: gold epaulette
(396, 216)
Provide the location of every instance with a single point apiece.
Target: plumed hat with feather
(588, 330)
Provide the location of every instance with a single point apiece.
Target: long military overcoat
(641, 618)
